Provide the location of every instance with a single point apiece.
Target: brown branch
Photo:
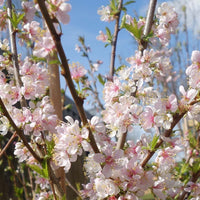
(8, 144)
(66, 72)
(193, 179)
(114, 41)
(19, 131)
(167, 133)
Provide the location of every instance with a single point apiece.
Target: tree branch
(12, 34)
(8, 144)
(114, 41)
(148, 24)
(66, 72)
(19, 132)
(167, 133)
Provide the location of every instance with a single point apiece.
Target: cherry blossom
(102, 37)
(4, 125)
(77, 71)
(105, 13)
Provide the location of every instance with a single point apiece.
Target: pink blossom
(32, 29)
(105, 13)
(21, 152)
(171, 104)
(102, 37)
(4, 125)
(29, 10)
(60, 10)
(44, 46)
(109, 159)
(187, 96)
(105, 188)
(77, 71)
(111, 90)
(147, 118)
(195, 57)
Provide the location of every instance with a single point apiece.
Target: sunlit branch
(66, 72)
(167, 133)
(148, 24)
(13, 46)
(114, 41)
(176, 118)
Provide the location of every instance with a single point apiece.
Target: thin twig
(167, 133)
(13, 45)
(96, 96)
(66, 72)
(8, 144)
(72, 187)
(114, 41)
(19, 131)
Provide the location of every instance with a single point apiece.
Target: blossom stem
(66, 72)
(114, 41)
(19, 132)
(8, 144)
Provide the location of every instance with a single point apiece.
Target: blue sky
(86, 22)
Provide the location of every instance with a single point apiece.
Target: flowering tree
(116, 168)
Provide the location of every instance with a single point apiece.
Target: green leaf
(133, 28)
(184, 168)
(68, 106)
(16, 19)
(154, 142)
(54, 62)
(192, 140)
(128, 2)
(108, 33)
(107, 44)
(150, 35)
(120, 68)
(42, 172)
(196, 166)
(101, 79)
(113, 5)
(50, 146)
(37, 59)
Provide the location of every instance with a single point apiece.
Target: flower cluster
(69, 142)
(132, 101)
(105, 13)
(168, 22)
